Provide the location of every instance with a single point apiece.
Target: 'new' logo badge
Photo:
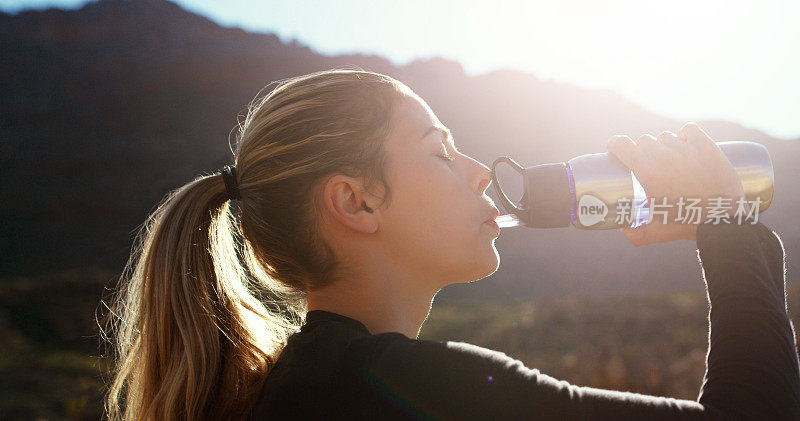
(591, 210)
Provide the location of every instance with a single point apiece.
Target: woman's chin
(488, 265)
(494, 264)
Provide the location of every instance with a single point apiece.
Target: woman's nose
(483, 177)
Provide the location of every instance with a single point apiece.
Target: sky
(684, 59)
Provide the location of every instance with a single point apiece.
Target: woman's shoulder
(335, 345)
(327, 350)
(394, 353)
(340, 365)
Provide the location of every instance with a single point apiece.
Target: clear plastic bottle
(597, 191)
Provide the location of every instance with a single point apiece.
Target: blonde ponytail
(189, 327)
(205, 304)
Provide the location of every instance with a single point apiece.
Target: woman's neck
(382, 305)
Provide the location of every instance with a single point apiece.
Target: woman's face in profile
(436, 218)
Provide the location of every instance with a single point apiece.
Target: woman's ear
(348, 202)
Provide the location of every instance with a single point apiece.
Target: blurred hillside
(652, 343)
(107, 108)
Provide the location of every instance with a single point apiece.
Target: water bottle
(597, 191)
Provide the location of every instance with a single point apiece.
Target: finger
(694, 135)
(656, 232)
(647, 142)
(670, 140)
(626, 151)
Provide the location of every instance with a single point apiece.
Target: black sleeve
(752, 364)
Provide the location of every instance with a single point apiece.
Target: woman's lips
(491, 221)
(493, 224)
(493, 216)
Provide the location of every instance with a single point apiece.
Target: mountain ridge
(108, 107)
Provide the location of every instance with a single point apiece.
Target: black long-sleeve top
(333, 368)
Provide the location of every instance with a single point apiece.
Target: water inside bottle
(508, 220)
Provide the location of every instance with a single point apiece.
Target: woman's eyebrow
(448, 135)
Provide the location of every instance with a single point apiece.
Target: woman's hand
(689, 166)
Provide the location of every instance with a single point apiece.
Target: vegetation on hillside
(51, 364)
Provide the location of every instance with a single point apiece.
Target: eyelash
(447, 157)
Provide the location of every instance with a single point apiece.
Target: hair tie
(229, 177)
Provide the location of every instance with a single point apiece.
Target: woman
(356, 208)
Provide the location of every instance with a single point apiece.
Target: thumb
(659, 233)
(626, 151)
(637, 236)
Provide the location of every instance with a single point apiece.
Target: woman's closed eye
(446, 156)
